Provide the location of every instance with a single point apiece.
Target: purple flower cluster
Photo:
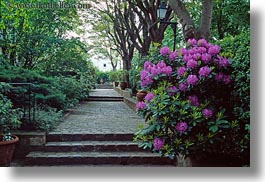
(192, 63)
(152, 70)
(192, 80)
(181, 127)
(204, 71)
(181, 71)
(206, 58)
(203, 51)
(182, 87)
(158, 143)
(214, 50)
(223, 62)
(173, 55)
(194, 100)
(192, 41)
(172, 90)
(207, 113)
(149, 97)
(220, 77)
(165, 51)
(140, 105)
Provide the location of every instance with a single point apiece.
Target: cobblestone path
(96, 132)
(100, 117)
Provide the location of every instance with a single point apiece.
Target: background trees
(36, 46)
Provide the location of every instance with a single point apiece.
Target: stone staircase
(108, 148)
(101, 149)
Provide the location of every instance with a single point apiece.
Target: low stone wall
(131, 102)
(104, 86)
(29, 141)
(127, 97)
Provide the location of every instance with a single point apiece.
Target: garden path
(96, 132)
(100, 117)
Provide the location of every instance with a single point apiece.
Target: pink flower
(196, 56)
(149, 96)
(155, 71)
(194, 100)
(192, 63)
(223, 62)
(158, 143)
(143, 74)
(181, 127)
(147, 64)
(206, 58)
(167, 70)
(186, 58)
(181, 71)
(202, 42)
(207, 113)
(164, 51)
(192, 41)
(183, 51)
(140, 105)
(202, 50)
(192, 80)
(182, 87)
(173, 56)
(161, 64)
(204, 71)
(214, 49)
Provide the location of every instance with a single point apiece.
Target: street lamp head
(161, 10)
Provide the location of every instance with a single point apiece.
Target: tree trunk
(206, 17)
(188, 26)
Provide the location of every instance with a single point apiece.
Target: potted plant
(113, 76)
(188, 107)
(123, 83)
(8, 120)
(140, 95)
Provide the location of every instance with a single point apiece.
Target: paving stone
(96, 133)
(136, 158)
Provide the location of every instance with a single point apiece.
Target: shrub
(9, 117)
(46, 118)
(188, 109)
(238, 48)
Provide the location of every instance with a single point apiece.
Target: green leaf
(213, 128)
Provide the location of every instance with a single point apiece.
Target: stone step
(57, 137)
(81, 146)
(104, 98)
(95, 158)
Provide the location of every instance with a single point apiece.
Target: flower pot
(116, 84)
(6, 150)
(141, 95)
(123, 85)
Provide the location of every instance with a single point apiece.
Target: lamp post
(161, 13)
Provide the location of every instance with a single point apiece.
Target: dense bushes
(238, 48)
(53, 94)
(46, 118)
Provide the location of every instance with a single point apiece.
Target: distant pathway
(99, 117)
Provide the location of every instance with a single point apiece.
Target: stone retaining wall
(29, 141)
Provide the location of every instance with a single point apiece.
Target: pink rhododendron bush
(188, 106)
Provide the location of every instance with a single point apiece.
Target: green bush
(46, 118)
(9, 117)
(72, 89)
(104, 76)
(238, 48)
(58, 92)
(113, 76)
